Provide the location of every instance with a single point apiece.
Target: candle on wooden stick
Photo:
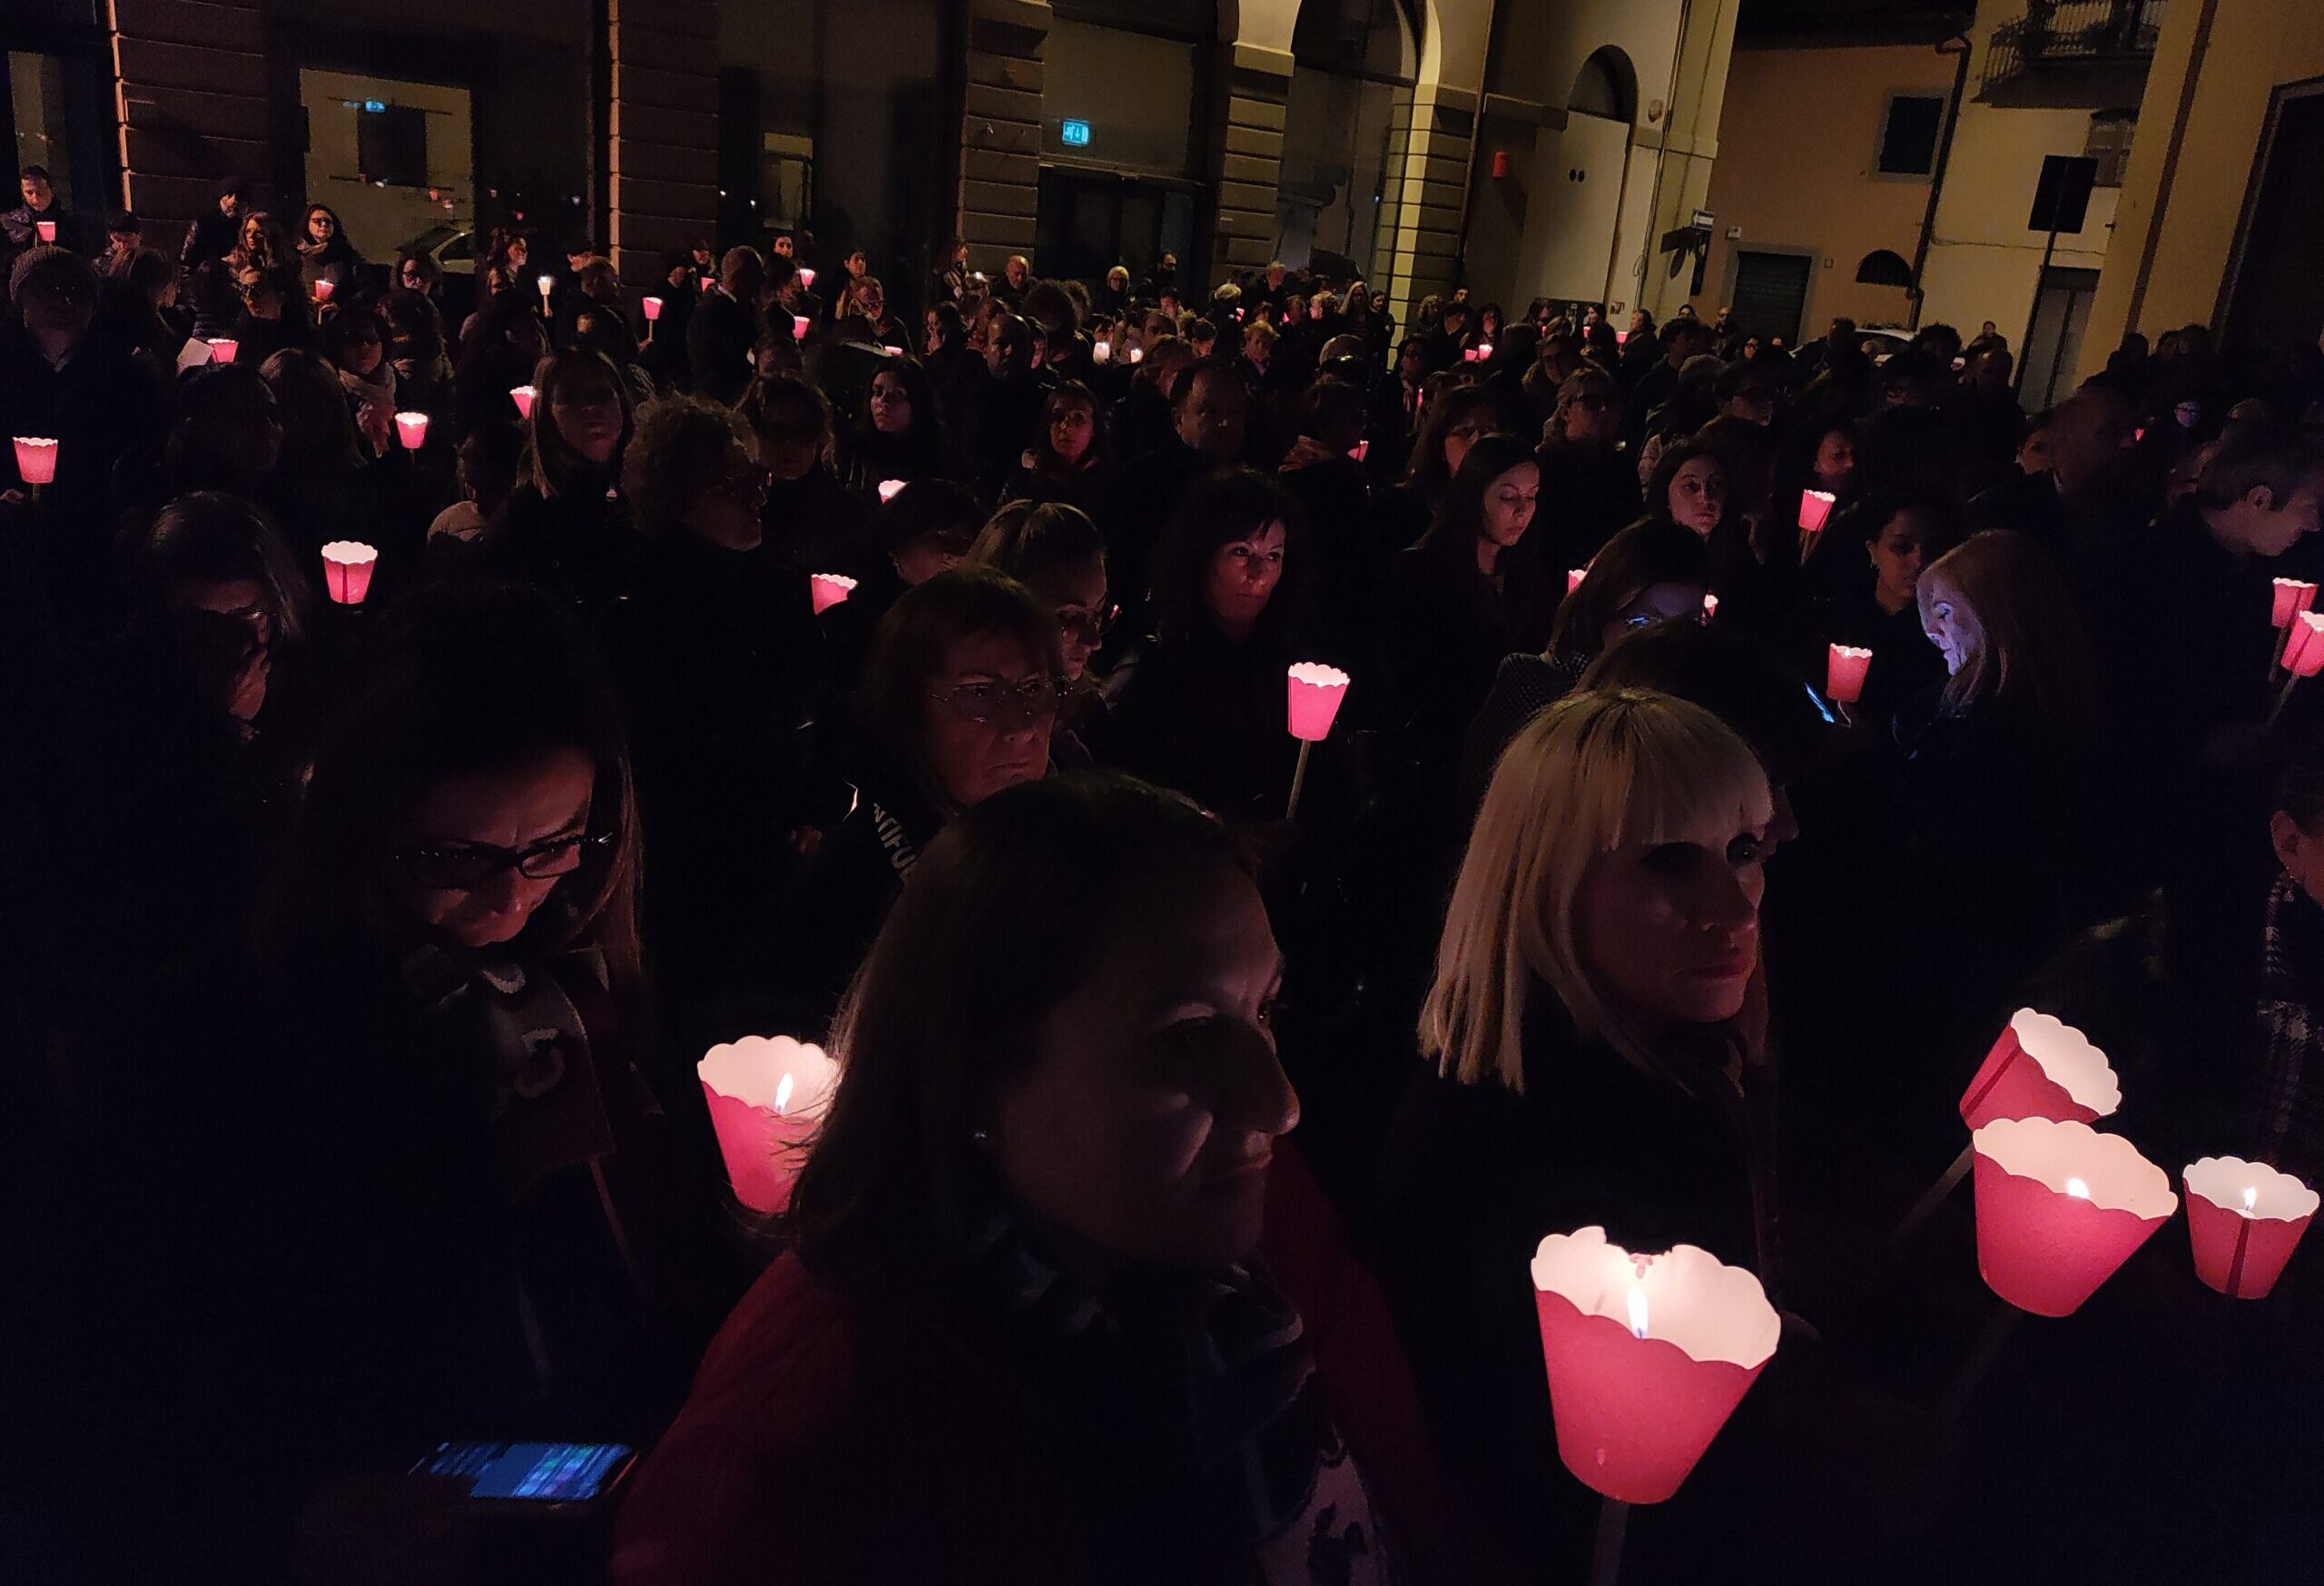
(767, 1097)
(2244, 1220)
(2060, 1207)
(829, 589)
(35, 460)
(348, 566)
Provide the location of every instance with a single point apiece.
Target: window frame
(1879, 171)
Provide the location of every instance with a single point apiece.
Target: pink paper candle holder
(1647, 1356)
(1316, 691)
(2041, 1067)
(222, 350)
(45, 229)
(2244, 1220)
(829, 589)
(1573, 577)
(2304, 644)
(411, 429)
(889, 489)
(35, 460)
(1815, 510)
(523, 396)
(2060, 1207)
(348, 567)
(767, 1096)
(324, 287)
(653, 307)
(806, 278)
(2291, 599)
(799, 326)
(1844, 672)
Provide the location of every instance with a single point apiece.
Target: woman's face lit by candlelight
(1669, 932)
(1143, 1128)
(534, 805)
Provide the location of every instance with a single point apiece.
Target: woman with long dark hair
(900, 435)
(1067, 459)
(325, 253)
(565, 527)
(1454, 418)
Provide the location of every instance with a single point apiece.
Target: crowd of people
(740, 658)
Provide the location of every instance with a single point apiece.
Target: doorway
(2275, 295)
(2053, 339)
(1091, 220)
(1771, 295)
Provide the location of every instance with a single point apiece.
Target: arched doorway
(1349, 110)
(1587, 180)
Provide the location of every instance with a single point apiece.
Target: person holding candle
(325, 254)
(1210, 424)
(216, 229)
(1200, 705)
(1595, 1036)
(501, 345)
(957, 701)
(414, 340)
(1879, 609)
(20, 227)
(1651, 573)
(1040, 1192)
(324, 485)
(352, 342)
(566, 527)
(900, 435)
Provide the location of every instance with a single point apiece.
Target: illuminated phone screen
(543, 1472)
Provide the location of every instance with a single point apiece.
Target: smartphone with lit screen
(532, 1477)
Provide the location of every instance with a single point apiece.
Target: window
(786, 179)
(391, 145)
(1909, 137)
(2110, 144)
(1882, 266)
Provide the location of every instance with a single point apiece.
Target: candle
(1844, 672)
(1468, 355)
(1484, 350)
(2304, 645)
(1815, 508)
(653, 307)
(1101, 352)
(324, 287)
(348, 566)
(799, 326)
(2060, 1207)
(2245, 1219)
(1621, 337)
(806, 278)
(2293, 597)
(1316, 691)
(767, 1096)
(545, 283)
(411, 429)
(1573, 577)
(1710, 606)
(523, 396)
(222, 350)
(1138, 355)
(35, 460)
(2040, 1067)
(47, 229)
(829, 589)
(889, 489)
(1646, 1356)
(1363, 449)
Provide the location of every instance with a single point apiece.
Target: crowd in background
(1171, 1221)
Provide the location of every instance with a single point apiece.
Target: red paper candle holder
(1621, 337)
(1363, 449)
(767, 1097)
(1316, 691)
(411, 429)
(829, 589)
(45, 229)
(2041, 1067)
(799, 326)
(348, 567)
(35, 460)
(222, 350)
(324, 287)
(523, 396)
(889, 489)
(1844, 672)
(2304, 645)
(2245, 1219)
(653, 307)
(1647, 1356)
(1815, 510)
(2293, 597)
(806, 278)
(2060, 1207)
(1573, 577)
(1711, 607)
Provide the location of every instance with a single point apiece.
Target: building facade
(1523, 148)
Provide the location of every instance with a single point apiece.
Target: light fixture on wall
(1504, 166)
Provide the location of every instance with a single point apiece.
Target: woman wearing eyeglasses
(408, 1184)
(1056, 553)
(1589, 489)
(958, 699)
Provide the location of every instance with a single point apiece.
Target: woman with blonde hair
(1999, 611)
(1595, 1038)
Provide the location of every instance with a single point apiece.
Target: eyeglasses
(462, 867)
(1091, 624)
(992, 703)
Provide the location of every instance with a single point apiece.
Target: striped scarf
(2290, 1041)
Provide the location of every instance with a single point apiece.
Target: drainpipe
(1937, 178)
(1476, 141)
(1661, 160)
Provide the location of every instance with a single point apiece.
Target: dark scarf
(2290, 1036)
(1218, 1364)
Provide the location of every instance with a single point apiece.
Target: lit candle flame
(1638, 1312)
(782, 1094)
(2250, 1200)
(2078, 1190)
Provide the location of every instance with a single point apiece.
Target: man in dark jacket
(214, 234)
(22, 226)
(727, 326)
(1210, 414)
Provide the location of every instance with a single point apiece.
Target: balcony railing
(2060, 32)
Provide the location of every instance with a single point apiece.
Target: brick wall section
(190, 100)
(1000, 130)
(1429, 194)
(664, 161)
(1248, 134)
